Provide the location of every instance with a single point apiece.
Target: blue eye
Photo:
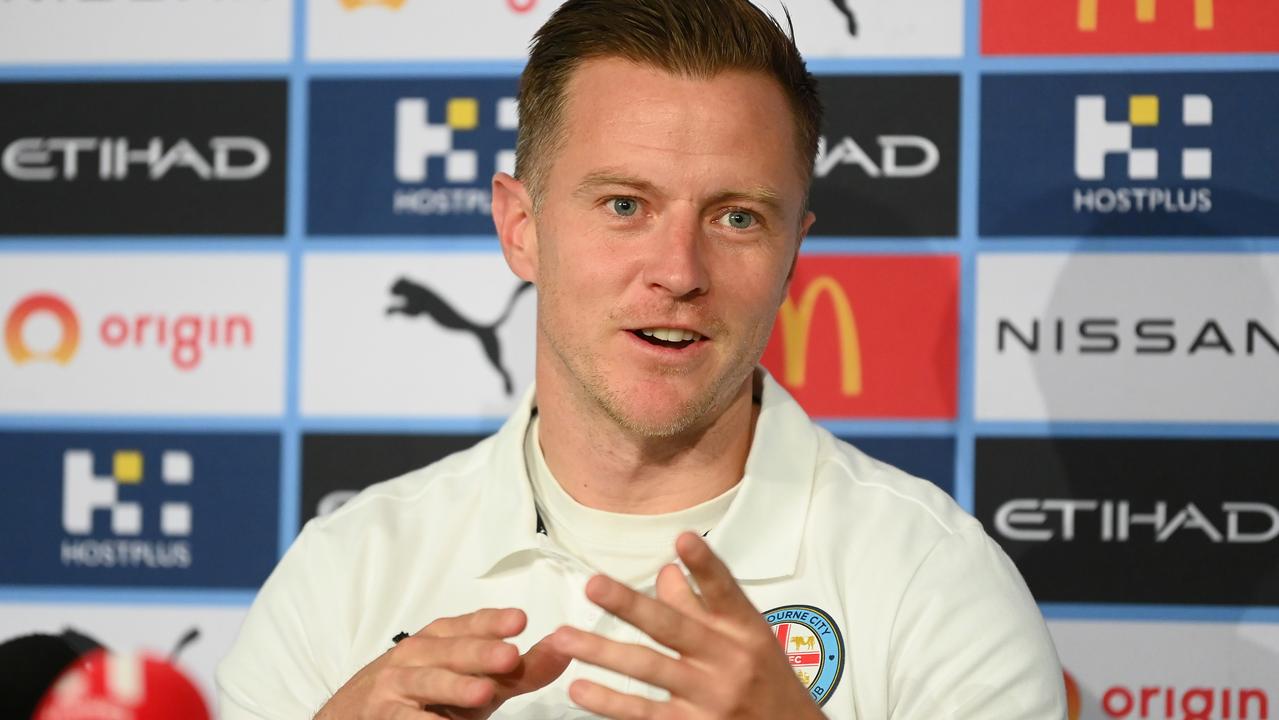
(739, 219)
(624, 207)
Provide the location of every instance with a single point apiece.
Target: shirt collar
(509, 523)
(759, 538)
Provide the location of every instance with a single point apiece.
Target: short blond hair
(691, 38)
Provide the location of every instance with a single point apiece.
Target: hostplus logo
(444, 155)
(94, 506)
(43, 327)
(1098, 140)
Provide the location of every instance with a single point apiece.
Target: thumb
(538, 668)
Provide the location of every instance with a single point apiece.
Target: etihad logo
(418, 141)
(84, 493)
(36, 306)
(416, 299)
(1145, 12)
(186, 337)
(1156, 702)
(1116, 521)
(899, 156)
(46, 159)
(795, 321)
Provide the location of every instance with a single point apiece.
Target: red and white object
(109, 686)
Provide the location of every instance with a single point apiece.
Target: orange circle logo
(42, 303)
(1072, 697)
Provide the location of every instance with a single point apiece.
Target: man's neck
(605, 466)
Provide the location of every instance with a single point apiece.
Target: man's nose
(677, 262)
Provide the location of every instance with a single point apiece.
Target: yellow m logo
(796, 322)
(356, 4)
(1145, 13)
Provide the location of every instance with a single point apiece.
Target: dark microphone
(29, 665)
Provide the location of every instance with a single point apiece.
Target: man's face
(667, 229)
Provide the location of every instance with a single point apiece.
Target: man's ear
(516, 228)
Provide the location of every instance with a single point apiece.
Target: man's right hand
(457, 668)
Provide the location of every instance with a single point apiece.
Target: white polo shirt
(890, 600)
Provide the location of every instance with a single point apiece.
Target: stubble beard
(692, 415)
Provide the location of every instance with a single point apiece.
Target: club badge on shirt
(813, 644)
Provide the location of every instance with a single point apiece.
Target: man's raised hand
(729, 663)
(458, 668)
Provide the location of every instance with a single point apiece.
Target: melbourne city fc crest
(813, 644)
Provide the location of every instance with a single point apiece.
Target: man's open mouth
(667, 337)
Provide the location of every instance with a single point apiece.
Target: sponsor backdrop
(247, 269)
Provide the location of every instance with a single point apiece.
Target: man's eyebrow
(760, 194)
(606, 178)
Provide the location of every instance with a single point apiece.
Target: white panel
(1180, 295)
(360, 360)
(1116, 664)
(33, 31)
(501, 29)
(132, 310)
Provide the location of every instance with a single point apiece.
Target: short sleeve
(281, 665)
(968, 641)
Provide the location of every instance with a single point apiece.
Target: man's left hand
(729, 662)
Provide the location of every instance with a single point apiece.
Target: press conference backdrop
(1045, 276)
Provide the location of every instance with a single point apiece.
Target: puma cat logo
(417, 299)
(847, 12)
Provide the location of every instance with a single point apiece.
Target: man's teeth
(671, 334)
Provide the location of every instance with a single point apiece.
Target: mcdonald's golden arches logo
(1145, 13)
(796, 323)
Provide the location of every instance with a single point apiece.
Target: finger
(468, 655)
(658, 620)
(537, 668)
(489, 622)
(634, 661)
(612, 704)
(404, 712)
(718, 586)
(674, 590)
(438, 686)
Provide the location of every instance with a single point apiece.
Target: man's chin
(660, 410)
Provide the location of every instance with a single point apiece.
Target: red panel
(881, 340)
(1016, 27)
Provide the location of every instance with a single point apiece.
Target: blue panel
(1031, 144)
(354, 187)
(81, 511)
(931, 458)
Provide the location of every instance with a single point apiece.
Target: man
(664, 158)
